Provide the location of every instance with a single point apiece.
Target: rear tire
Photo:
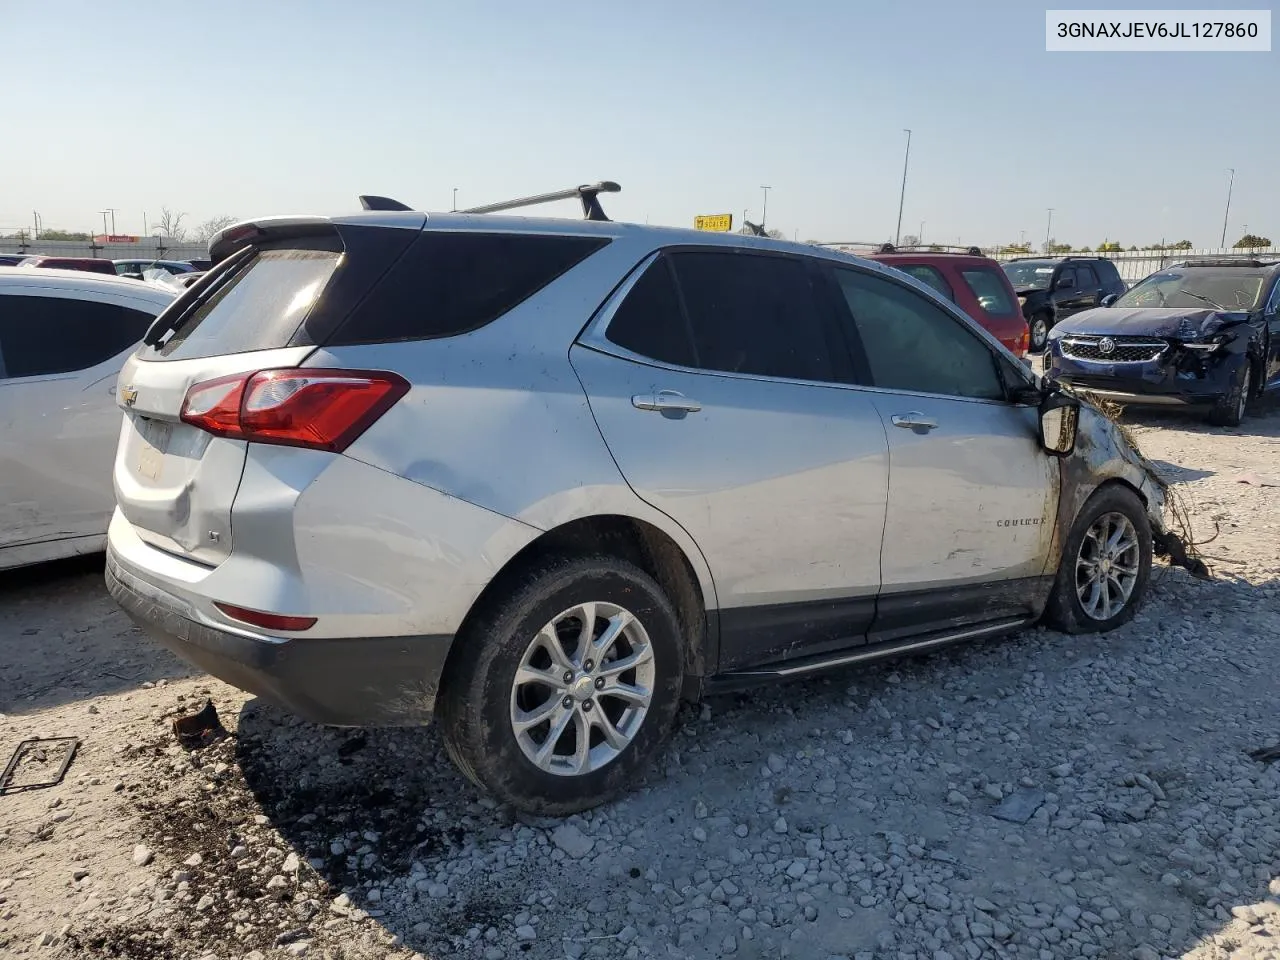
(537, 714)
(1038, 327)
(1229, 410)
(1106, 564)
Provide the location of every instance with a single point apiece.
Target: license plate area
(154, 435)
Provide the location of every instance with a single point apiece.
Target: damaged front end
(1171, 357)
(1105, 453)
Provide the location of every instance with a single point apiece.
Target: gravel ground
(871, 814)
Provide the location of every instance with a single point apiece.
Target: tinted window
(989, 286)
(1066, 278)
(1085, 277)
(649, 321)
(450, 283)
(913, 344)
(754, 314)
(1108, 273)
(49, 335)
(931, 277)
(257, 307)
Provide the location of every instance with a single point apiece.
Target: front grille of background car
(1125, 349)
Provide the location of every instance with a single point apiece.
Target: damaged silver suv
(538, 480)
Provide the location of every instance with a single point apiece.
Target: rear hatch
(257, 310)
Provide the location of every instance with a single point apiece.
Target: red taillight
(320, 409)
(267, 621)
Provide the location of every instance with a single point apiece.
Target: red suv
(91, 264)
(974, 283)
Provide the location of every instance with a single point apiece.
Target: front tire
(565, 688)
(1229, 410)
(1039, 331)
(1106, 564)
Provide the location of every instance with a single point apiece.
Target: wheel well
(628, 539)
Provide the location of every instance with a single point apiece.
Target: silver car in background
(540, 479)
(64, 334)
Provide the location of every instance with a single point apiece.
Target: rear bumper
(364, 681)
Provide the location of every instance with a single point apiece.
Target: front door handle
(913, 421)
(665, 401)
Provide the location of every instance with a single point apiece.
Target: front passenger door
(971, 493)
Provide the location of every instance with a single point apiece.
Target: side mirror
(1065, 283)
(1059, 420)
(1109, 299)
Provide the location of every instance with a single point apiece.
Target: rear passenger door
(971, 495)
(59, 424)
(721, 383)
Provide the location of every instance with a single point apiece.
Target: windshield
(1226, 288)
(1031, 274)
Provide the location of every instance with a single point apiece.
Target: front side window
(1086, 279)
(990, 289)
(914, 345)
(43, 336)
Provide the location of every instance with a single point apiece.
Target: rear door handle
(665, 401)
(913, 421)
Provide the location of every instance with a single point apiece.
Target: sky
(298, 106)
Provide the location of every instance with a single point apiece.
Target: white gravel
(850, 816)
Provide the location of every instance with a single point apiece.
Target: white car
(64, 335)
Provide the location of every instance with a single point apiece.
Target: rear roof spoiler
(588, 193)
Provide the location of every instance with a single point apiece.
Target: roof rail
(1224, 261)
(587, 193)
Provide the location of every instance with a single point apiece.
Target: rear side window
(40, 336)
(257, 307)
(1085, 277)
(649, 321)
(991, 289)
(929, 276)
(452, 283)
(1107, 272)
(755, 315)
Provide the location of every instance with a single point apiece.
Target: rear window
(929, 276)
(991, 290)
(260, 305)
(451, 283)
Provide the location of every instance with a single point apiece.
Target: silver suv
(539, 480)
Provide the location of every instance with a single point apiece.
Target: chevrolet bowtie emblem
(129, 395)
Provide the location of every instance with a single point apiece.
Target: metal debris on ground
(1020, 806)
(200, 728)
(42, 752)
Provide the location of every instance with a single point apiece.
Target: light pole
(1048, 227)
(1230, 183)
(764, 211)
(897, 237)
(920, 235)
(455, 199)
(104, 222)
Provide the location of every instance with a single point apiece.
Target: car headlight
(1208, 345)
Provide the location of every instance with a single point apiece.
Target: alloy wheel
(1246, 384)
(1039, 333)
(582, 689)
(1107, 566)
